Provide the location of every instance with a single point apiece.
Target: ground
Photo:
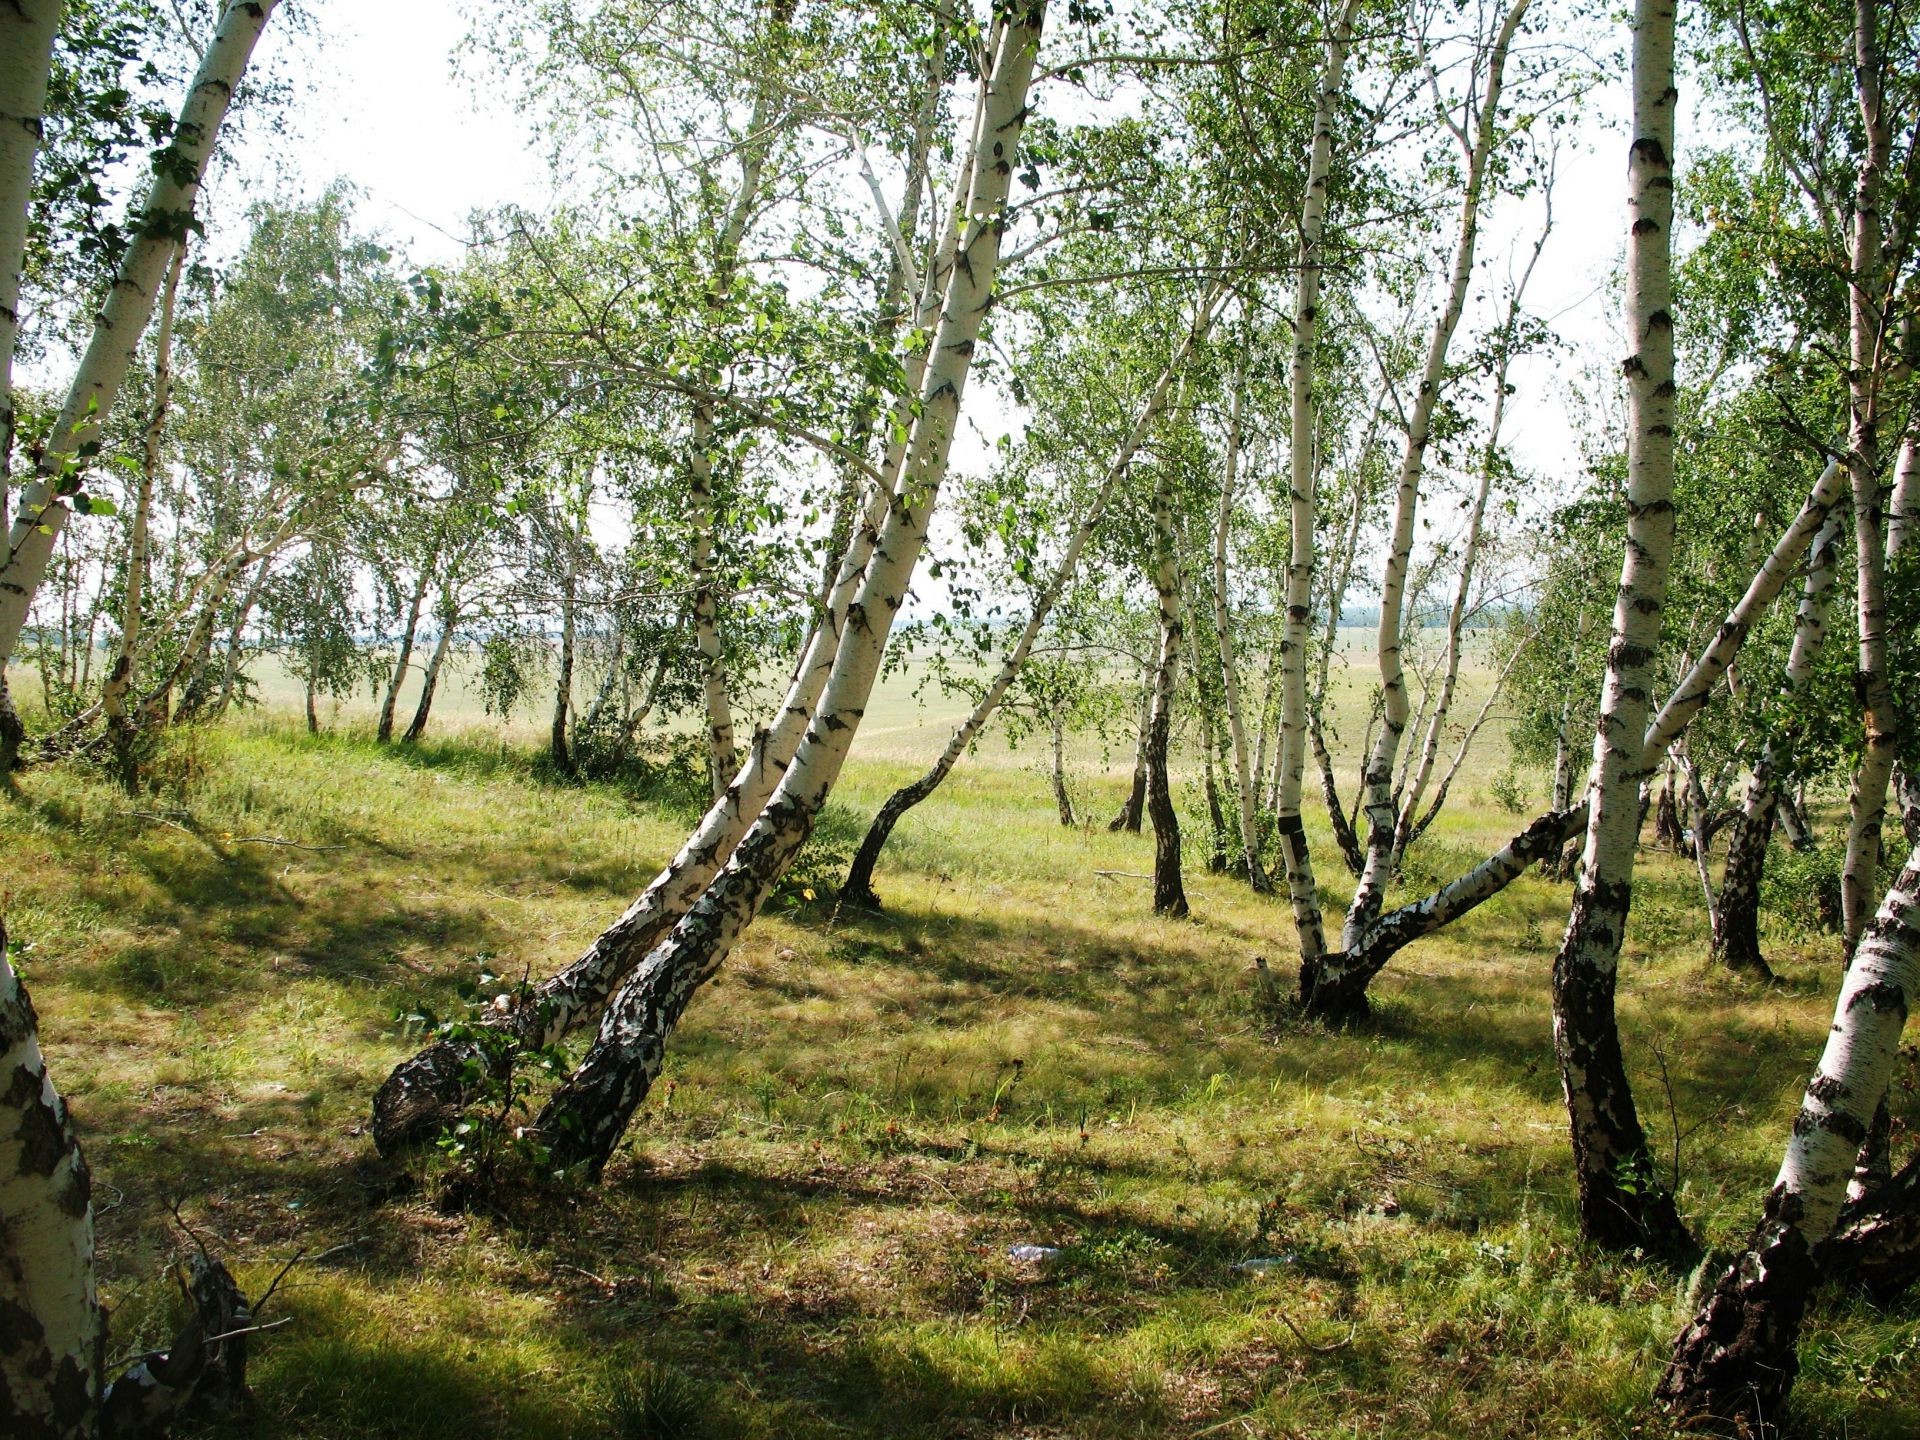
(1263, 1228)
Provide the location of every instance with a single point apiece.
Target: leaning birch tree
(1622, 1202)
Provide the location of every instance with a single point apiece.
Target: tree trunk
(1243, 775)
(1866, 305)
(1735, 1361)
(53, 1346)
(1303, 486)
(1736, 925)
(1063, 802)
(1133, 808)
(857, 888)
(430, 682)
(1169, 893)
(27, 32)
(402, 662)
(1377, 781)
(1409, 824)
(121, 729)
(1210, 789)
(1621, 1201)
(429, 1090)
(589, 1113)
(44, 503)
(563, 685)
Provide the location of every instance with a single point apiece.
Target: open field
(808, 1233)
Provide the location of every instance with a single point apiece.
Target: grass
(807, 1234)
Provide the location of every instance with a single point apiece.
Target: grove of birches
(1002, 733)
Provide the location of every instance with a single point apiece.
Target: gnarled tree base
(1735, 1362)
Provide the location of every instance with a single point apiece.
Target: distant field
(907, 722)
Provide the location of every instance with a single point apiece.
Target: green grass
(807, 1234)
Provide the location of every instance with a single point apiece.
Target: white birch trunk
(589, 1113)
(1621, 1201)
(1867, 306)
(51, 1348)
(1736, 1360)
(1377, 781)
(1243, 774)
(123, 317)
(27, 31)
(1303, 484)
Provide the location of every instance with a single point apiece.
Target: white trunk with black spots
(27, 31)
(1867, 306)
(1621, 1201)
(1243, 772)
(1303, 486)
(1736, 1359)
(1377, 780)
(52, 1331)
(122, 319)
(588, 1114)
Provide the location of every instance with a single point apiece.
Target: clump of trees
(685, 447)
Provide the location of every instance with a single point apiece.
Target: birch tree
(1735, 1361)
(1622, 1203)
(57, 485)
(589, 1113)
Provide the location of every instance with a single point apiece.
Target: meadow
(1263, 1228)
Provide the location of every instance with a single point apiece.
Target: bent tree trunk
(1133, 808)
(45, 503)
(1735, 1361)
(588, 1114)
(1736, 921)
(1169, 893)
(857, 888)
(1377, 782)
(428, 1090)
(1622, 1203)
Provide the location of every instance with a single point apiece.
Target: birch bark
(1378, 780)
(1621, 1201)
(1302, 486)
(44, 503)
(588, 1114)
(1169, 891)
(1735, 1360)
(1866, 309)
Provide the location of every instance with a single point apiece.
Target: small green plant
(500, 1072)
(1509, 791)
(655, 1403)
(1803, 888)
